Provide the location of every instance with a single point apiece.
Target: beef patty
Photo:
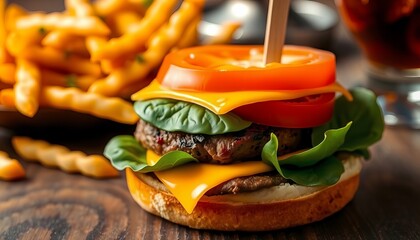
(223, 148)
(248, 184)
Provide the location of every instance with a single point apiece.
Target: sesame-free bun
(277, 207)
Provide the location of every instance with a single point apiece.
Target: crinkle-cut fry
(10, 169)
(97, 166)
(5, 56)
(53, 78)
(27, 87)
(74, 99)
(109, 66)
(125, 21)
(190, 36)
(225, 35)
(55, 59)
(110, 7)
(66, 42)
(134, 41)
(129, 90)
(7, 73)
(159, 46)
(7, 98)
(85, 26)
(2, 24)
(12, 14)
(93, 44)
(52, 155)
(18, 42)
(79, 8)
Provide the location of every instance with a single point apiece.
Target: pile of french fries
(92, 56)
(89, 58)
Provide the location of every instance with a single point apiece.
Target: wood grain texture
(50, 204)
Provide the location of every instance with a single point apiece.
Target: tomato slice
(239, 68)
(304, 112)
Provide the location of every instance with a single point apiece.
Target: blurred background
(312, 23)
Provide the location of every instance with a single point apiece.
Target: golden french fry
(12, 14)
(109, 66)
(65, 42)
(55, 59)
(110, 7)
(5, 56)
(59, 156)
(190, 36)
(7, 73)
(74, 99)
(129, 90)
(96, 166)
(10, 169)
(135, 40)
(18, 41)
(2, 24)
(225, 34)
(80, 8)
(125, 21)
(93, 44)
(27, 87)
(53, 78)
(84, 26)
(159, 46)
(72, 50)
(7, 98)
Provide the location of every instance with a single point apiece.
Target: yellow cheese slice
(223, 102)
(188, 183)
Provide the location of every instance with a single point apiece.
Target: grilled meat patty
(248, 184)
(223, 148)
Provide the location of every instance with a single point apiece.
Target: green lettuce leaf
(173, 115)
(366, 115)
(314, 167)
(333, 140)
(125, 152)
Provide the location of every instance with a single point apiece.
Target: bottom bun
(231, 212)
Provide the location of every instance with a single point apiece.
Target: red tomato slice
(227, 68)
(304, 112)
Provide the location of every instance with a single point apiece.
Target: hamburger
(226, 143)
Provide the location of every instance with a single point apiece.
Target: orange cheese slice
(223, 102)
(188, 183)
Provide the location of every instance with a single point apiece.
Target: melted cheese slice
(223, 102)
(188, 183)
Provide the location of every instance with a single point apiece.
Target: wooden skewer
(275, 30)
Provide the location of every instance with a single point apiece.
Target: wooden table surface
(50, 204)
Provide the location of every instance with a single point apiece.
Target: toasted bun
(272, 208)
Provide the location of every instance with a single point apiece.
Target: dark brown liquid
(387, 30)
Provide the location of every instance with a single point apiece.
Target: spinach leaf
(314, 167)
(173, 115)
(124, 151)
(367, 118)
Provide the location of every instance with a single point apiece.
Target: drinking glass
(388, 32)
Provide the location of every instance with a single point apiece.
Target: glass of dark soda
(388, 32)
